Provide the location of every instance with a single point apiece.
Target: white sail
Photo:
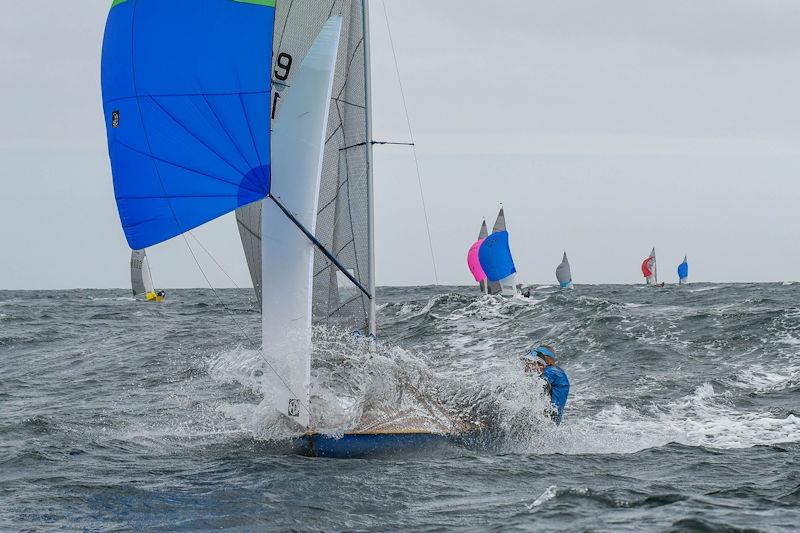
(564, 273)
(344, 220)
(288, 255)
(141, 279)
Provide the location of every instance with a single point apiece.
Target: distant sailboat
(564, 273)
(683, 271)
(507, 285)
(489, 259)
(650, 269)
(142, 279)
(191, 140)
(474, 262)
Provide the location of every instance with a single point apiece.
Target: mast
(370, 185)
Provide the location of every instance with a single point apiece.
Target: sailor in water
(542, 360)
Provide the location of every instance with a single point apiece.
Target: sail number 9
(283, 64)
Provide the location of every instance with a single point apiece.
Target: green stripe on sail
(268, 3)
(115, 3)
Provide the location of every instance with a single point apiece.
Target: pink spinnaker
(474, 263)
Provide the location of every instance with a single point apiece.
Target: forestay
(343, 214)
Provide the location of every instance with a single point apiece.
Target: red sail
(646, 267)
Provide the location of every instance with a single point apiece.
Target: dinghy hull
(353, 445)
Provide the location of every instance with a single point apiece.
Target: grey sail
(500, 222)
(248, 219)
(564, 273)
(344, 216)
(482, 234)
(141, 280)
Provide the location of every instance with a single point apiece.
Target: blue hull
(353, 445)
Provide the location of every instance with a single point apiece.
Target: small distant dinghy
(650, 270)
(274, 123)
(683, 271)
(564, 273)
(489, 260)
(142, 279)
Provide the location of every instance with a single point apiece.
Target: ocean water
(684, 413)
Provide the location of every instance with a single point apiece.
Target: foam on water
(683, 412)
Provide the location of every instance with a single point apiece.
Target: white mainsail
(288, 255)
(344, 210)
(141, 279)
(564, 273)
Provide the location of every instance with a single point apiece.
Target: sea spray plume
(356, 384)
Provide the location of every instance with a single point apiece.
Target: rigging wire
(412, 144)
(214, 259)
(147, 262)
(236, 322)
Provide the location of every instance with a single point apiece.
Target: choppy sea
(684, 413)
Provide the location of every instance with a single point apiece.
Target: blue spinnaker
(683, 270)
(186, 96)
(495, 256)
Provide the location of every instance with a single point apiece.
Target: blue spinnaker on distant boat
(495, 256)
(186, 95)
(683, 270)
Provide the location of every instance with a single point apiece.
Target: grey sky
(605, 128)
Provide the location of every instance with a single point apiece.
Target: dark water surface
(684, 414)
